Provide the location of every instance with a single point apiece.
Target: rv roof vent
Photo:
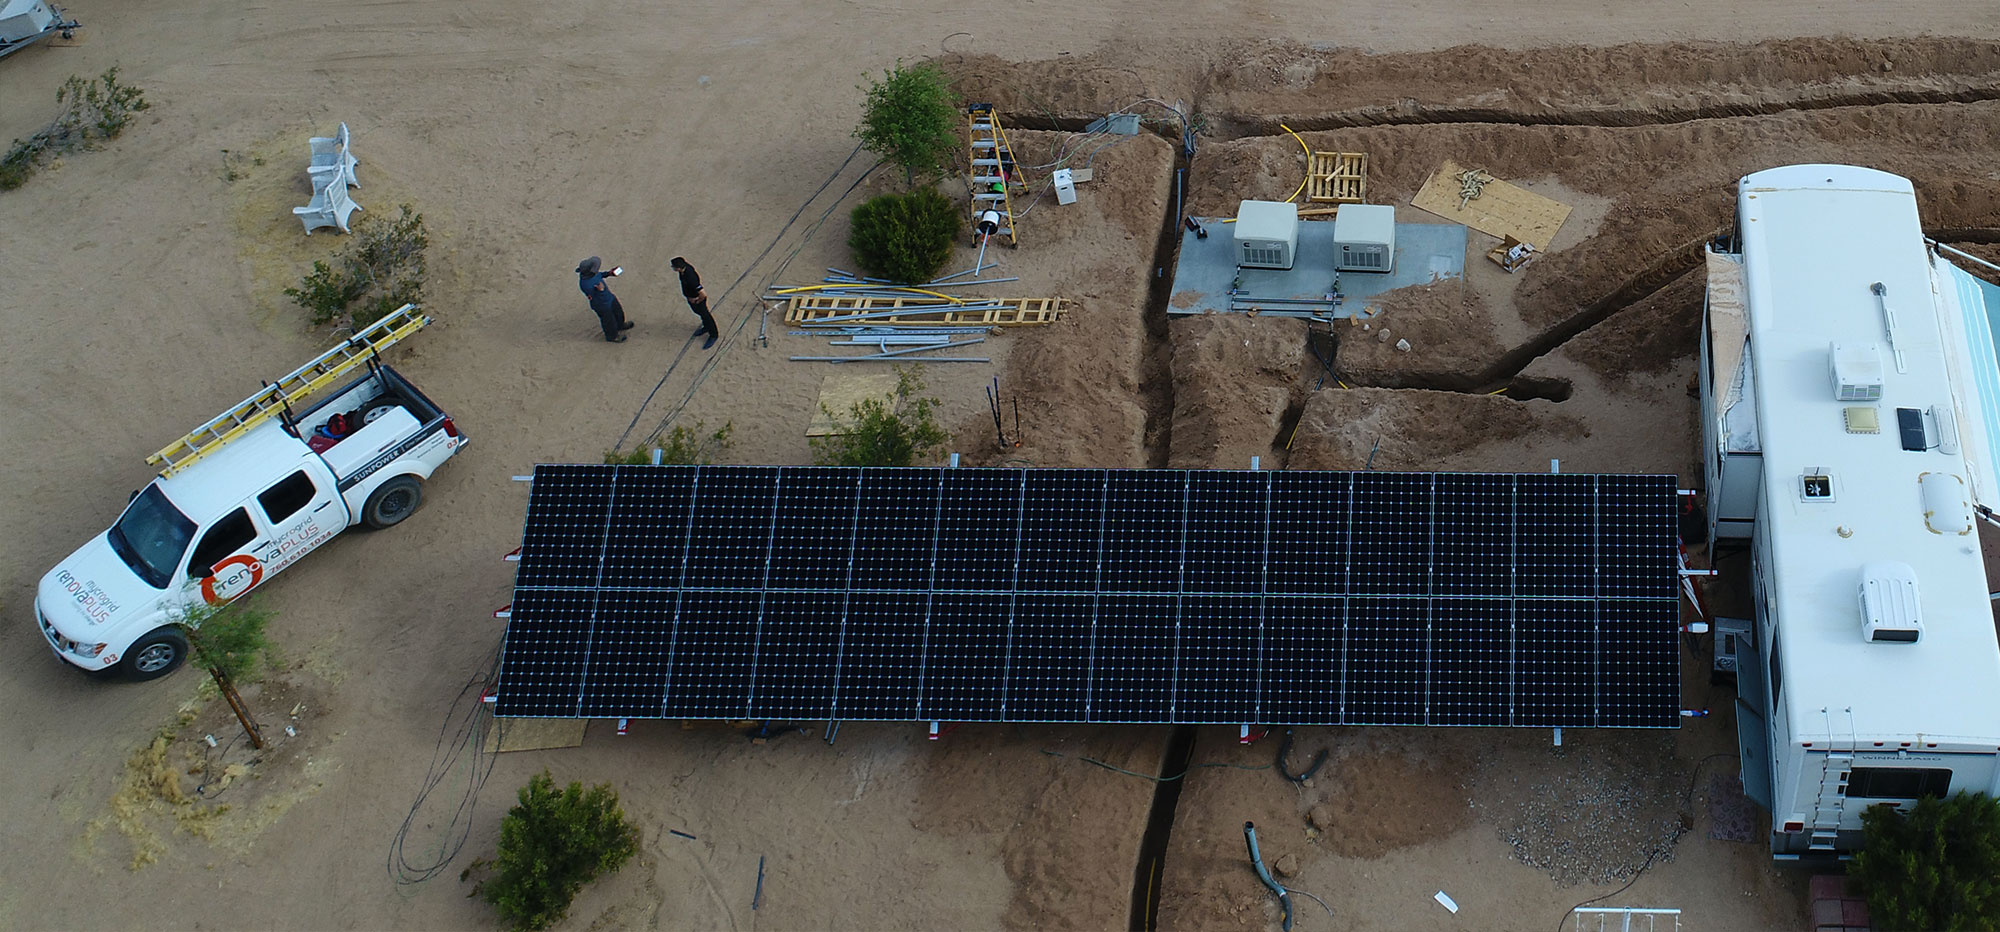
(1889, 611)
(1857, 371)
(1947, 509)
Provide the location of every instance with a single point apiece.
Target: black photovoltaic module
(1091, 595)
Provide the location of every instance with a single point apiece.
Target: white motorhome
(1851, 435)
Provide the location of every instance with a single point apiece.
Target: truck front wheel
(157, 654)
(394, 501)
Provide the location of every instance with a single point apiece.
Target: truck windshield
(151, 536)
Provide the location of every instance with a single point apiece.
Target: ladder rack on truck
(279, 396)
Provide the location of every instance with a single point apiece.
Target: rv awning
(1979, 317)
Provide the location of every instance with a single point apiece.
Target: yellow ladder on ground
(277, 396)
(993, 170)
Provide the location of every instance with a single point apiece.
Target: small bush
(228, 638)
(683, 446)
(380, 270)
(911, 118)
(551, 844)
(883, 437)
(904, 237)
(99, 108)
(1937, 867)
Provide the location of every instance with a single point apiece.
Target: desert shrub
(228, 639)
(880, 435)
(904, 237)
(682, 446)
(381, 269)
(99, 108)
(911, 118)
(551, 844)
(1936, 867)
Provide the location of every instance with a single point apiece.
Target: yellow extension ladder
(993, 169)
(277, 396)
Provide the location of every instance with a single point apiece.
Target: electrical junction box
(1267, 234)
(1065, 186)
(1364, 237)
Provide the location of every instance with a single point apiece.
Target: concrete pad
(1425, 252)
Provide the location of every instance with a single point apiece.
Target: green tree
(904, 237)
(1934, 868)
(911, 118)
(551, 844)
(682, 446)
(880, 436)
(99, 108)
(229, 641)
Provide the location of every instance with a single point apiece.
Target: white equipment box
(1364, 237)
(1065, 186)
(1267, 234)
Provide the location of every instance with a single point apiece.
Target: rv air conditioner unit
(1889, 611)
(1364, 237)
(1267, 234)
(1857, 371)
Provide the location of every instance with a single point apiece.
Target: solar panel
(1087, 595)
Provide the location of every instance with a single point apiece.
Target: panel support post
(934, 731)
(1559, 736)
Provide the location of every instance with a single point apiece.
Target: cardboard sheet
(1501, 209)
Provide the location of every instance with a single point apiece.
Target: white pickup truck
(244, 497)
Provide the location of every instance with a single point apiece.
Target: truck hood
(92, 589)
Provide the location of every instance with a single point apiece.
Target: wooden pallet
(1337, 177)
(923, 311)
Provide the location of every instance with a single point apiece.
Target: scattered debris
(1402, 346)
(1286, 866)
(1445, 901)
(1512, 254)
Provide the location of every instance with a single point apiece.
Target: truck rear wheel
(160, 652)
(397, 499)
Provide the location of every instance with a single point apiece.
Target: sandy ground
(144, 293)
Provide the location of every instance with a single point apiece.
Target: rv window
(283, 500)
(1898, 783)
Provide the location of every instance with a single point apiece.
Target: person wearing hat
(697, 298)
(610, 313)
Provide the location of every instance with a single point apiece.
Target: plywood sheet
(534, 734)
(1501, 209)
(840, 393)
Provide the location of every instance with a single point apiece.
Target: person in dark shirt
(592, 281)
(697, 299)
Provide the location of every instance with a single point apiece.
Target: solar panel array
(1090, 595)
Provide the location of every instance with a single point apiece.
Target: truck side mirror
(134, 498)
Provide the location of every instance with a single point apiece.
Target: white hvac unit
(1267, 234)
(1856, 370)
(1364, 237)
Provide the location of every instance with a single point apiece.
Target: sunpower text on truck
(244, 496)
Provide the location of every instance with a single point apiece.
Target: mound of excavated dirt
(1416, 429)
(1449, 331)
(1646, 338)
(1092, 385)
(1235, 376)
(1382, 791)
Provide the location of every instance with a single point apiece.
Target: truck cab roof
(219, 482)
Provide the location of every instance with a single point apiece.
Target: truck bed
(399, 414)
